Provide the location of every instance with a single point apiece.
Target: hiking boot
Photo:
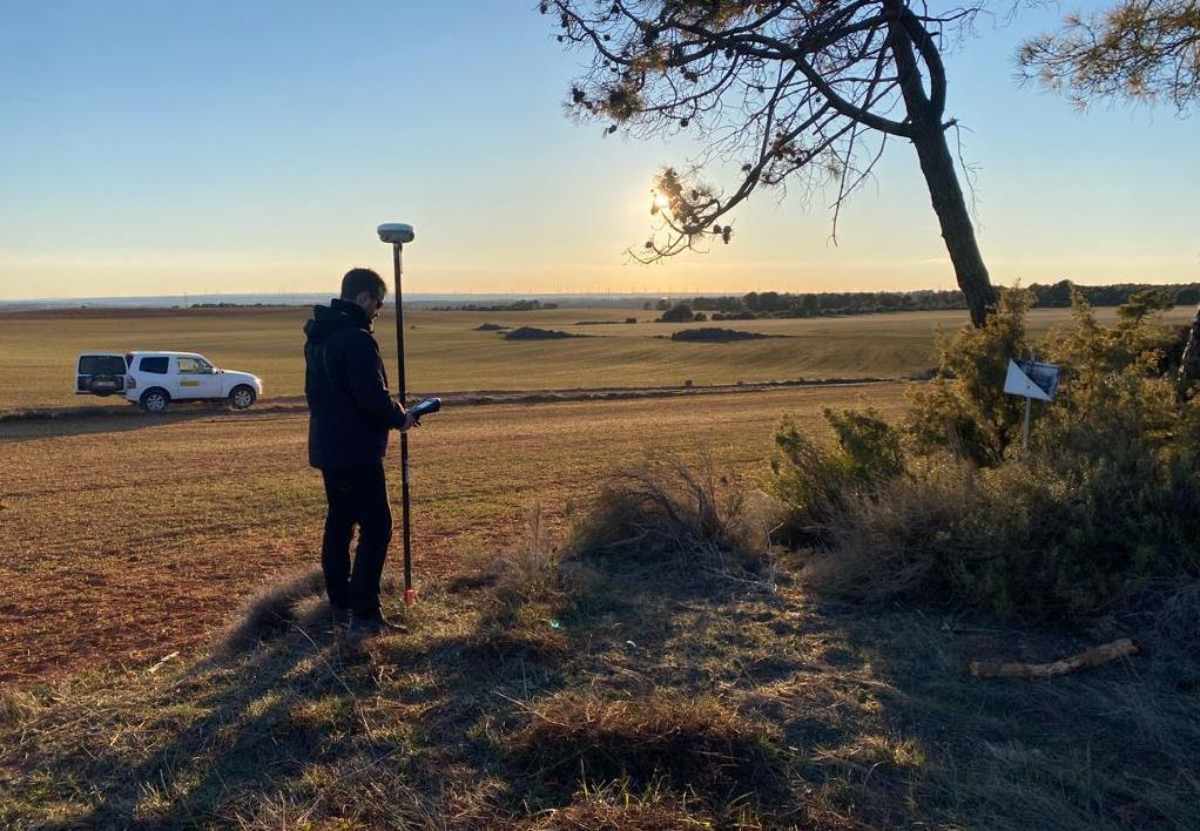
(365, 624)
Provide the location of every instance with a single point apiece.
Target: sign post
(1032, 381)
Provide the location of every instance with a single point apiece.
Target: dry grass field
(446, 353)
(127, 538)
(629, 688)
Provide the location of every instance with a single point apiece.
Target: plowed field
(125, 539)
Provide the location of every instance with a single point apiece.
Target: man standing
(350, 415)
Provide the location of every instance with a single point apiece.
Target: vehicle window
(101, 365)
(187, 366)
(158, 366)
(204, 366)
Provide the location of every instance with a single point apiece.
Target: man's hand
(410, 421)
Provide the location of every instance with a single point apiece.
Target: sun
(662, 201)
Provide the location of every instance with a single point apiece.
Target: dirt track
(471, 398)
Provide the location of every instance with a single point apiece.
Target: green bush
(964, 408)
(1107, 499)
(817, 480)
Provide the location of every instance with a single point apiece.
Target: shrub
(1107, 500)
(1013, 538)
(817, 481)
(714, 334)
(534, 333)
(964, 408)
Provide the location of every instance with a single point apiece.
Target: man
(350, 415)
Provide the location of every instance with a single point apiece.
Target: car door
(196, 378)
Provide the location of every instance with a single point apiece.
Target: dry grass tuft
(16, 706)
(615, 807)
(667, 510)
(661, 736)
(886, 546)
(269, 612)
(529, 573)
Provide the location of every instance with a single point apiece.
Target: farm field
(127, 538)
(446, 353)
(625, 688)
(132, 541)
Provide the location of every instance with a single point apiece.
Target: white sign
(1031, 379)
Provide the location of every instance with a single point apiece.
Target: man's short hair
(363, 279)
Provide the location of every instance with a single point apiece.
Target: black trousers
(356, 495)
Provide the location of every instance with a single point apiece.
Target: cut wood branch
(1091, 658)
(163, 662)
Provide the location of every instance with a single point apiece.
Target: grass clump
(667, 511)
(689, 742)
(530, 590)
(617, 806)
(16, 706)
(269, 612)
(947, 506)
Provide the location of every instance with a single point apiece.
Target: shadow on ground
(15, 429)
(854, 717)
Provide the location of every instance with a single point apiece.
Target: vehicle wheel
(155, 400)
(242, 397)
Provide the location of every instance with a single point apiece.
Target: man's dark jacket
(350, 408)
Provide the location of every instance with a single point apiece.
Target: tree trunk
(957, 231)
(1189, 366)
(929, 137)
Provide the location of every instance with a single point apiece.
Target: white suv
(155, 379)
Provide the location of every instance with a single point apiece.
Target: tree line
(824, 304)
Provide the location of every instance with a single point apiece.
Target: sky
(165, 148)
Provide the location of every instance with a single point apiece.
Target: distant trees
(802, 92)
(824, 304)
(515, 306)
(679, 313)
(1147, 50)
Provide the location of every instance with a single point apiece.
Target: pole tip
(410, 597)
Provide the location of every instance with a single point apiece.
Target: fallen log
(1091, 658)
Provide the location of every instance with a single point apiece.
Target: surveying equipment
(424, 407)
(397, 234)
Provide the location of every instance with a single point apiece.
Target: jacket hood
(335, 317)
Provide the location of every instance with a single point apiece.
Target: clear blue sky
(162, 148)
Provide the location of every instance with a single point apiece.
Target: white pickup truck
(154, 379)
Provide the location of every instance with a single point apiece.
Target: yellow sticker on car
(189, 383)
